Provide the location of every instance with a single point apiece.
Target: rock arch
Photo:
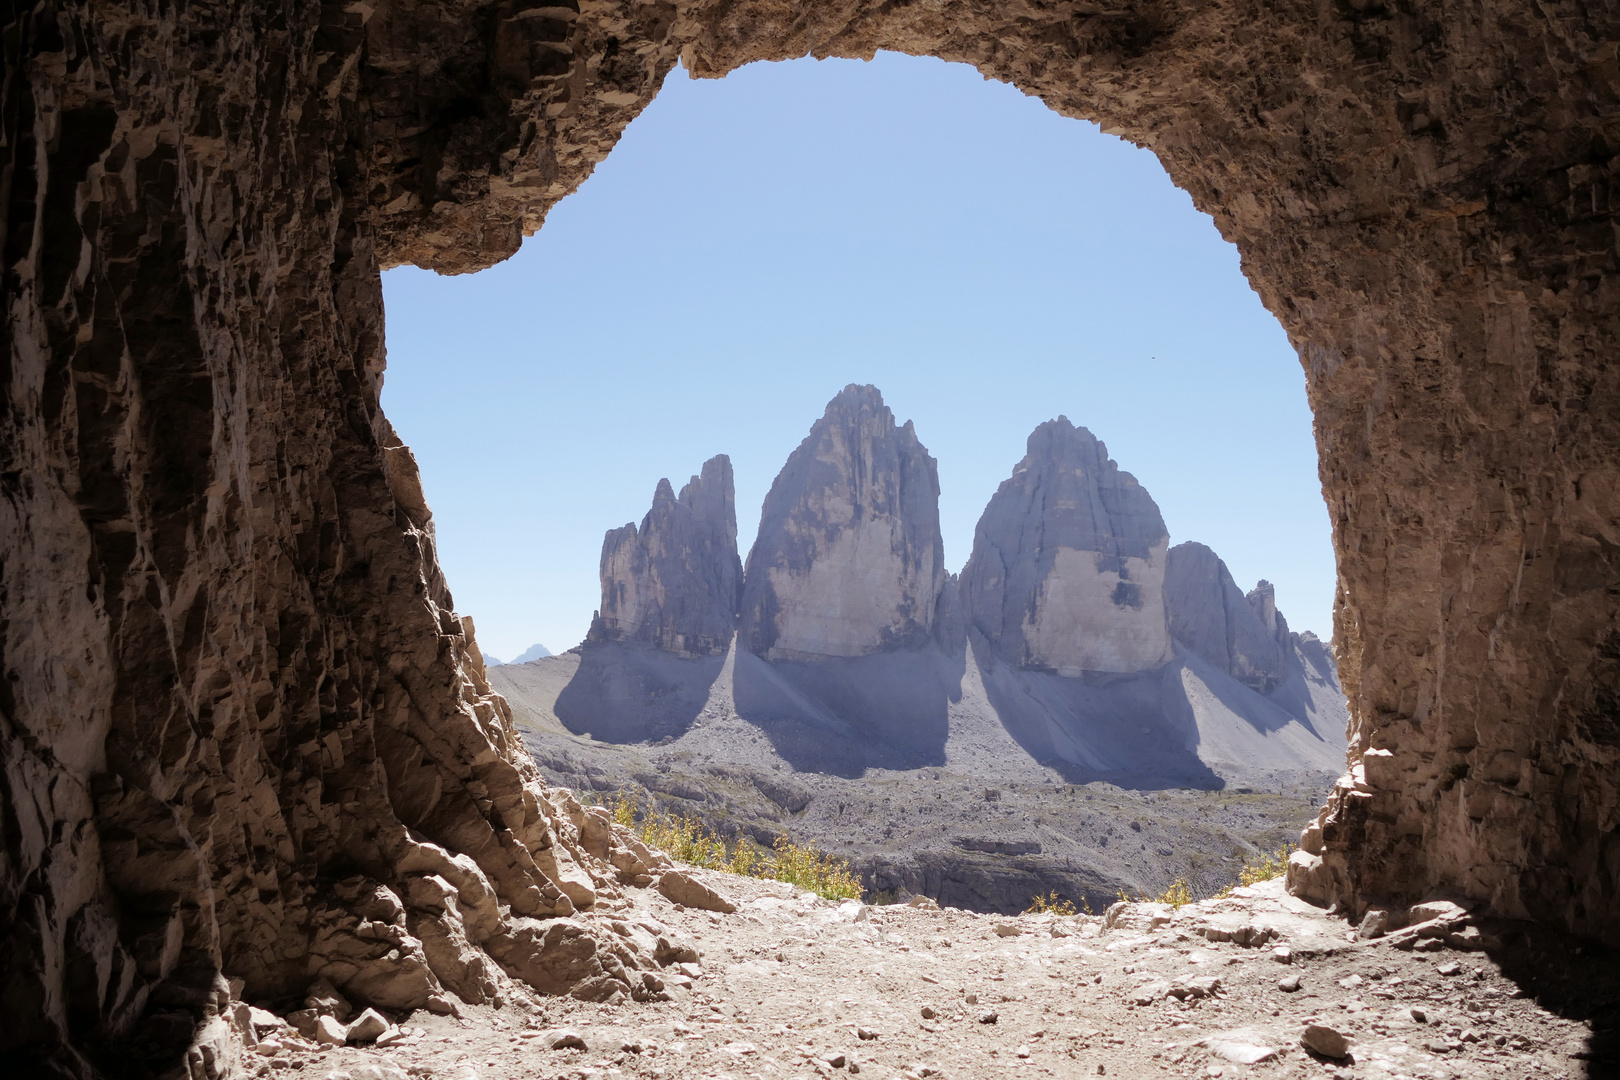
(233, 683)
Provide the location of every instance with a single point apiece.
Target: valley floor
(792, 986)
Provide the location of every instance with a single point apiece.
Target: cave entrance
(756, 242)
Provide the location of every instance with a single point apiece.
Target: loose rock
(1321, 1039)
(684, 888)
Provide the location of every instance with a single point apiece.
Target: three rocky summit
(847, 690)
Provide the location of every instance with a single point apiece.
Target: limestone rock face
(1068, 564)
(849, 560)
(1244, 637)
(674, 583)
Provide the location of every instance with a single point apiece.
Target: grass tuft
(686, 839)
(1049, 905)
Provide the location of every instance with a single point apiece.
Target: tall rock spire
(849, 559)
(1067, 571)
(1210, 616)
(674, 582)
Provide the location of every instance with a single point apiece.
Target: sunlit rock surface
(674, 582)
(1210, 615)
(1067, 571)
(849, 560)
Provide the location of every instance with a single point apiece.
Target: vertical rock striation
(1068, 564)
(674, 583)
(1242, 636)
(849, 560)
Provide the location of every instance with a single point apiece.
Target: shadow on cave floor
(1575, 978)
(844, 716)
(629, 693)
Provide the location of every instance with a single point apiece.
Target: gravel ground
(795, 986)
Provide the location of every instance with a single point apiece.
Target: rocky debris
(1068, 566)
(1210, 615)
(848, 560)
(675, 582)
(798, 984)
(686, 888)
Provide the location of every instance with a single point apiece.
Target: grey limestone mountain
(849, 560)
(1068, 564)
(1243, 636)
(536, 651)
(674, 582)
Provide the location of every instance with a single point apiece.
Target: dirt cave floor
(792, 985)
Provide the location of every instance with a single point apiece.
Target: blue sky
(755, 243)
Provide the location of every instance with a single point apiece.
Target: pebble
(1022, 1051)
(1450, 967)
(1288, 983)
(1283, 954)
(1008, 930)
(864, 1033)
(988, 1018)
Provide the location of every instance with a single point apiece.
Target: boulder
(681, 887)
(562, 1039)
(328, 1032)
(562, 956)
(367, 1026)
(1321, 1039)
(1068, 564)
(674, 582)
(849, 559)
(1244, 1046)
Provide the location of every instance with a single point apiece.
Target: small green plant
(1268, 865)
(1178, 893)
(1049, 905)
(688, 840)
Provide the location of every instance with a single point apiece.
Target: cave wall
(237, 702)
(233, 681)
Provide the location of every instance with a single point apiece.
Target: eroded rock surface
(1067, 571)
(674, 583)
(849, 560)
